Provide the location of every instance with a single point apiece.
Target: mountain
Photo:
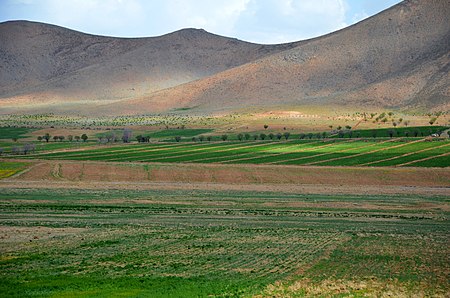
(399, 58)
(43, 64)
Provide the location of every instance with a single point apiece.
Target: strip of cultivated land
(311, 179)
(200, 243)
(329, 152)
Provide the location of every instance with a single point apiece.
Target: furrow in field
(326, 153)
(423, 159)
(403, 155)
(138, 155)
(356, 161)
(274, 146)
(364, 153)
(90, 151)
(166, 158)
(282, 153)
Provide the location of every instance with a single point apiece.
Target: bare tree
(28, 147)
(127, 134)
(15, 150)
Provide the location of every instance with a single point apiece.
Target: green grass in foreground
(102, 243)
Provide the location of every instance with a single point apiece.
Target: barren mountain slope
(49, 63)
(397, 58)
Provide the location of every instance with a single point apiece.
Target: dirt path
(358, 123)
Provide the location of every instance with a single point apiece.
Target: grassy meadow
(126, 243)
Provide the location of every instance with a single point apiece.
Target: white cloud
(100, 15)
(215, 16)
(264, 21)
(288, 20)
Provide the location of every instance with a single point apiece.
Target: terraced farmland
(168, 243)
(326, 152)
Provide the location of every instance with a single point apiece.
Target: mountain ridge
(398, 58)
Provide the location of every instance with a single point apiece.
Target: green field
(130, 243)
(325, 152)
(166, 134)
(14, 132)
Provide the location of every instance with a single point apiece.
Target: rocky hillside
(398, 58)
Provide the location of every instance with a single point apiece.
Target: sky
(260, 21)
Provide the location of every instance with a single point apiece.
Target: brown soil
(68, 174)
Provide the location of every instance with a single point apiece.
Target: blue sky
(262, 21)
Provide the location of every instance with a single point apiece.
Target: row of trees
(70, 138)
(25, 149)
(241, 137)
(127, 135)
(320, 135)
